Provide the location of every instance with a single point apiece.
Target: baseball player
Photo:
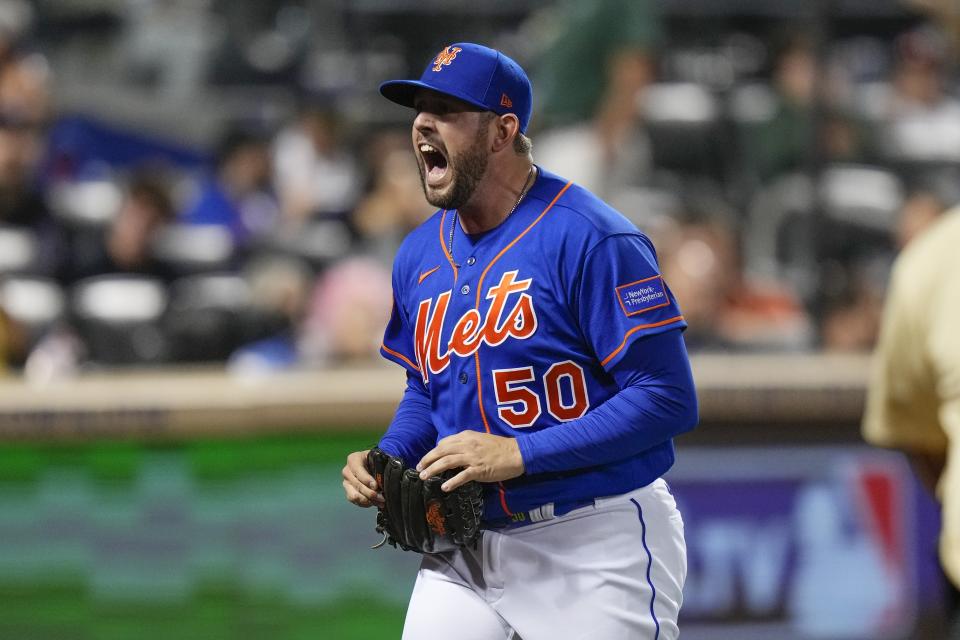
(913, 400)
(544, 360)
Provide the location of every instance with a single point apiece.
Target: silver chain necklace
(523, 192)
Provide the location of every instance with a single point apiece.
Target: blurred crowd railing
(751, 394)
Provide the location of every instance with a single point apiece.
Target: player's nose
(424, 122)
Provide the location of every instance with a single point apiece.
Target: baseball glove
(418, 515)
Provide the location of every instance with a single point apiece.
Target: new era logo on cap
(478, 75)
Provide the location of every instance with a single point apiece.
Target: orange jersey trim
(476, 356)
(483, 415)
(501, 490)
(517, 239)
(401, 356)
(503, 499)
(443, 245)
(633, 331)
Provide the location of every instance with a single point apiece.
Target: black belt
(540, 514)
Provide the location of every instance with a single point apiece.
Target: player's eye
(435, 109)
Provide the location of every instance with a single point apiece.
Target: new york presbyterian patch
(643, 295)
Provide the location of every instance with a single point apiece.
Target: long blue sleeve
(411, 434)
(657, 401)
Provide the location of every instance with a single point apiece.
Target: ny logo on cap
(445, 57)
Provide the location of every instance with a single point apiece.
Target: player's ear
(507, 128)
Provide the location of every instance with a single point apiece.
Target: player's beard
(468, 168)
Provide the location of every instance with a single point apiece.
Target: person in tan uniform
(913, 400)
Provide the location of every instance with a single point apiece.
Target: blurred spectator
(699, 263)
(125, 246)
(591, 78)
(766, 315)
(790, 138)
(12, 342)
(945, 13)
(340, 322)
(55, 356)
(347, 312)
(852, 313)
(853, 279)
(395, 204)
(236, 194)
(919, 211)
(22, 204)
(280, 292)
(597, 63)
(24, 108)
(24, 75)
(315, 174)
(280, 287)
(723, 309)
(851, 317)
(923, 120)
(148, 208)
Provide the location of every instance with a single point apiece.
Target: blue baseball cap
(478, 75)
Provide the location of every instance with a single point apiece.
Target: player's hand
(484, 456)
(361, 487)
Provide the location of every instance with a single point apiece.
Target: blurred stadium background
(199, 202)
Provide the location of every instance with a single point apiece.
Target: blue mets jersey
(518, 332)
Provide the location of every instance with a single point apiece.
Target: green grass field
(199, 540)
(62, 612)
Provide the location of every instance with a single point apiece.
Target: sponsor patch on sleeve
(643, 295)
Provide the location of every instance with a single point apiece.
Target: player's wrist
(527, 455)
(516, 458)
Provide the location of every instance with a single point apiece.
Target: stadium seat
(34, 303)
(118, 318)
(751, 104)
(647, 207)
(678, 102)
(860, 208)
(186, 249)
(858, 205)
(682, 120)
(18, 250)
(861, 195)
(87, 203)
(210, 316)
(870, 100)
(319, 243)
(770, 251)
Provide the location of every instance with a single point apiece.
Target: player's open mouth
(434, 162)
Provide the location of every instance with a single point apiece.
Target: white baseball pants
(613, 570)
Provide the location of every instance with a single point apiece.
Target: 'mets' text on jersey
(471, 329)
(515, 330)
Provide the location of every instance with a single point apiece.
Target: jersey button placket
(465, 289)
(471, 261)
